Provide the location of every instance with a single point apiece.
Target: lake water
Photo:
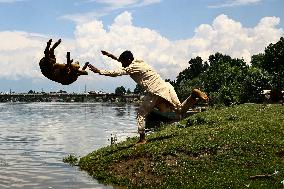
(35, 137)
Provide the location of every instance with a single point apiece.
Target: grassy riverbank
(235, 147)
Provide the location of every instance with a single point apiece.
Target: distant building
(92, 92)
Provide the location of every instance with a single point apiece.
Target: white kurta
(144, 75)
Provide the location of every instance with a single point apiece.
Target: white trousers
(150, 101)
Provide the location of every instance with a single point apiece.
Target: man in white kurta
(160, 94)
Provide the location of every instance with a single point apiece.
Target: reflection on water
(35, 137)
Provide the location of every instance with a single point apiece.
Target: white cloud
(11, 1)
(117, 4)
(123, 35)
(126, 3)
(123, 19)
(170, 57)
(109, 6)
(233, 3)
(230, 37)
(20, 51)
(85, 17)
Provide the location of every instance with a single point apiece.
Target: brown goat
(61, 73)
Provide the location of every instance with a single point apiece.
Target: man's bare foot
(141, 142)
(142, 139)
(200, 95)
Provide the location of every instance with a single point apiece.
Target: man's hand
(109, 55)
(93, 68)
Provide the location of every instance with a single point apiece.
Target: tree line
(228, 80)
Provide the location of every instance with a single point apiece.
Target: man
(61, 73)
(161, 94)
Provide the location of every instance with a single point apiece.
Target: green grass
(219, 148)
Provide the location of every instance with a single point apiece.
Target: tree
(184, 89)
(257, 61)
(231, 81)
(272, 61)
(120, 90)
(255, 81)
(218, 57)
(196, 67)
(31, 92)
(138, 90)
(224, 78)
(128, 91)
(221, 78)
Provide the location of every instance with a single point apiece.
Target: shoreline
(218, 148)
(69, 97)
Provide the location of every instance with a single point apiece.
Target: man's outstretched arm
(110, 73)
(110, 55)
(93, 68)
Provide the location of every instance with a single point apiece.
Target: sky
(164, 33)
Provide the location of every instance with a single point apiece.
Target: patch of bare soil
(137, 170)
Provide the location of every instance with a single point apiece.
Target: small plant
(71, 160)
(189, 122)
(113, 139)
(232, 117)
(200, 120)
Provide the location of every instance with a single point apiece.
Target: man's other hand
(105, 53)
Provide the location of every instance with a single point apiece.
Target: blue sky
(165, 33)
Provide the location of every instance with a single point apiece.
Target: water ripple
(35, 137)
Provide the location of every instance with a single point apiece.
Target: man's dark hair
(126, 55)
